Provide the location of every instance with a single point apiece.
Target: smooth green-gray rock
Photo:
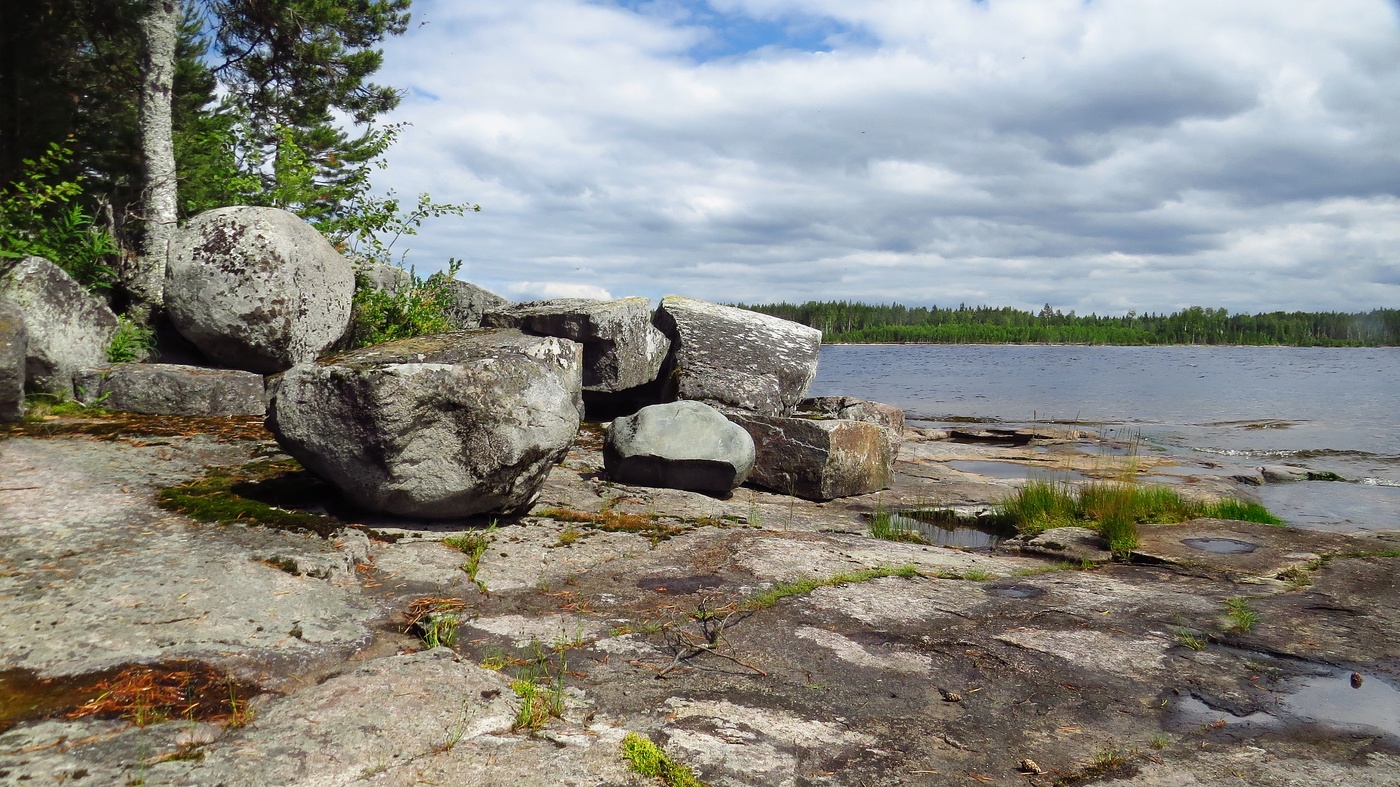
(682, 445)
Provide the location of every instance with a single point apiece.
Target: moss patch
(265, 493)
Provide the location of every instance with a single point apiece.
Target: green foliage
(1242, 616)
(1240, 510)
(419, 309)
(132, 342)
(647, 759)
(1115, 509)
(885, 525)
(473, 545)
(39, 215)
(843, 321)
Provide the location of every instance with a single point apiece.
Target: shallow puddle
(1013, 470)
(1015, 591)
(945, 530)
(1337, 699)
(1220, 546)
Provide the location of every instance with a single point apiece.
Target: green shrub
(39, 216)
(133, 341)
(648, 759)
(419, 309)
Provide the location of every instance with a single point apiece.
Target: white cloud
(1103, 156)
(541, 290)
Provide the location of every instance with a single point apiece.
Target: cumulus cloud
(1100, 156)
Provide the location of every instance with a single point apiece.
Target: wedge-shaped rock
(257, 288)
(68, 328)
(14, 343)
(621, 348)
(468, 303)
(818, 459)
(436, 426)
(682, 445)
(174, 389)
(735, 357)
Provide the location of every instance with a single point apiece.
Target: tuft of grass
(647, 759)
(1242, 616)
(537, 703)
(434, 620)
(773, 595)
(1187, 638)
(473, 545)
(887, 526)
(41, 407)
(1115, 509)
(569, 537)
(1239, 510)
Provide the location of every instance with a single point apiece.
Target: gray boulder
(818, 459)
(174, 389)
(886, 416)
(257, 288)
(468, 303)
(14, 343)
(682, 445)
(380, 277)
(68, 328)
(1282, 474)
(435, 426)
(736, 358)
(621, 348)
(1072, 544)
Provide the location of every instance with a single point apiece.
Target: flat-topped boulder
(621, 348)
(67, 327)
(257, 288)
(818, 459)
(379, 276)
(681, 445)
(435, 426)
(173, 389)
(736, 358)
(14, 344)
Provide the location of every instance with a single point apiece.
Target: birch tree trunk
(146, 278)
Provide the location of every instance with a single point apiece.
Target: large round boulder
(14, 345)
(681, 445)
(67, 327)
(436, 426)
(257, 288)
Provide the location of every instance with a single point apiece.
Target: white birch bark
(146, 279)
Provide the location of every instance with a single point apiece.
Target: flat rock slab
(1238, 548)
(174, 389)
(1070, 544)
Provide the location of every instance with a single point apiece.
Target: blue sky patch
(733, 35)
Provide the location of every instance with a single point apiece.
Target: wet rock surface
(642, 610)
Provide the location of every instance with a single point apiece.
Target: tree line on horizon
(857, 323)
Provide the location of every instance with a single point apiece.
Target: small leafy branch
(40, 216)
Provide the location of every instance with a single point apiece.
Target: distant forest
(844, 322)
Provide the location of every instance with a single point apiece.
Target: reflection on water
(947, 532)
(1330, 409)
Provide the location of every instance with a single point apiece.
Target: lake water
(1328, 409)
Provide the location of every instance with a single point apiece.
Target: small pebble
(1356, 680)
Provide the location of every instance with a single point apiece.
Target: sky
(1096, 155)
